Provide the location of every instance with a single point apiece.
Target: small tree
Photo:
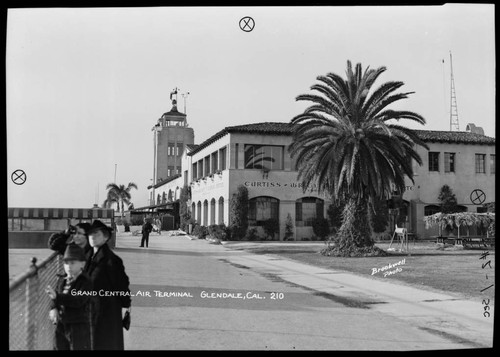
(239, 213)
(448, 200)
(184, 213)
(288, 228)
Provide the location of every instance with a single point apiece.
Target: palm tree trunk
(355, 231)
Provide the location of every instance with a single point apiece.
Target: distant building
(256, 156)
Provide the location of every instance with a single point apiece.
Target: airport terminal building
(256, 156)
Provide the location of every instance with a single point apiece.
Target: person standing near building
(147, 227)
(70, 310)
(107, 273)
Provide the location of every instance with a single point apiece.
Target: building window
(207, 165)
(205, 213)
(221, 210)
(198, 213)
(222, 156)
(492, 164)
(433, 161)
(449, 162)
(431, 209)
(200, 168)
(185, 177)
(307, 209)
(264, 157)
(260, 209)
(480, 163)
(194, 172)
(179, 148)
(236, 150)
(212, 211)
(214, 162)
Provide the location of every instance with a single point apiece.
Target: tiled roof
(266, 128)
(279, 128)
(457, 137)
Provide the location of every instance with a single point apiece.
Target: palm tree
(120, 195)
(346, 144)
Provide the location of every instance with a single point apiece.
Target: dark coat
(107, 274)
(73, 308)
(147, 228)
(75, 324)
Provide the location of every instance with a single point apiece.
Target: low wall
(32, 239)
(38, 239)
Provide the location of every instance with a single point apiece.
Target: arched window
(307, 209)
(431, 209)
(221, 210)
(158, 199)
(193, 210)
(164, 198)
(205, 213)
(260, 209)
(212, 211)
(198, 213)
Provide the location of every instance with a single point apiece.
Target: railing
(29, 305)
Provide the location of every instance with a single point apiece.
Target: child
(71, 307)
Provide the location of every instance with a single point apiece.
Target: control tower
(171, 135)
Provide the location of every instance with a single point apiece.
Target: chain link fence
(29, 305)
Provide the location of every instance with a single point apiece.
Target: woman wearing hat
(107, 273)
(78, 234)
(71, 306)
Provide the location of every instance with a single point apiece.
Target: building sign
(280, 185)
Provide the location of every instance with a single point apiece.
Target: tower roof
(174, 114)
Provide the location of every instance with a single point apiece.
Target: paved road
(192, 295)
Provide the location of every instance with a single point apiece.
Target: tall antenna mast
(453, 102)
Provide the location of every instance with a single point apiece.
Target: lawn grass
(429, 266)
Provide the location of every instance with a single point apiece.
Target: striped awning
(82, 213)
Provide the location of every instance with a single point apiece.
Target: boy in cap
(107, 273)
(71, 306)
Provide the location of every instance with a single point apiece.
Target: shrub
(271, 226)
(251, 234)
(136, 220)
(200, 231)
(321, 228)
(217, 231)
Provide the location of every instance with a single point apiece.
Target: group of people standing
(92, 298)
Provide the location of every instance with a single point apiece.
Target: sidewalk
(440, 314)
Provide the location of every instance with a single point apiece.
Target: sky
(85, 86)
